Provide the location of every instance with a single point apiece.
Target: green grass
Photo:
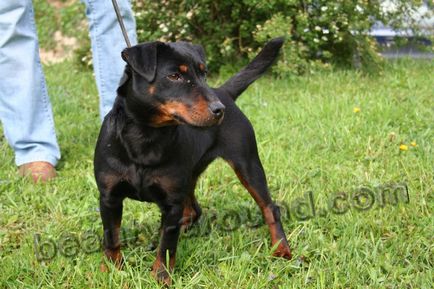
(309, 139)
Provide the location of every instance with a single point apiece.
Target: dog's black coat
(165, 128)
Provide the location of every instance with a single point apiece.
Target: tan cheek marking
(167, 110)
(183, 68)
(151, 89)
(198, 111)
(162, 119)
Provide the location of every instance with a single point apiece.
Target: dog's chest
(164, 170)
(159, 185)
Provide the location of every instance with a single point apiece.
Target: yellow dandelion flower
(413, 144)
(403, 147)
(356, 109)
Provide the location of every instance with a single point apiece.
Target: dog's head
(165, 84)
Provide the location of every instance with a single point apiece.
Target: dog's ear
(199, 49)
(143, 59)
(123, 82)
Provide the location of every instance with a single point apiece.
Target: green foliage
(224, 29)
(73, 19)
(295, 59)
(46, 23)
(318, 32)
(68, 17)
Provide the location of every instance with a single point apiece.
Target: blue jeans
(25, 108)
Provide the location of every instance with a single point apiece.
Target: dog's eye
(175, 77)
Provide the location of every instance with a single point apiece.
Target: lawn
(346, 138)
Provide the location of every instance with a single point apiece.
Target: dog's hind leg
(251, 174)
(192, 210)
(191, 213)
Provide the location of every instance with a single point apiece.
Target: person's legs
(107, 45)
(25, 108)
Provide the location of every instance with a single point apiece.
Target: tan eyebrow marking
(183, 68)
(202, 67)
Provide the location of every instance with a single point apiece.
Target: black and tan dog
(166, 126)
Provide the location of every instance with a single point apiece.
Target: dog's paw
(104, 267)
(186, 226)
(113, 256)
(189, 218)
(283, 251)
(161, 275)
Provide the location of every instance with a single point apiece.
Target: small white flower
(189, 14)
(316, 40)
(324, 38)
(306, 30)
(325, 31)
(324, 8)
(317, 28)
(359, 8)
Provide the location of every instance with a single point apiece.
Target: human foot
(37, 171)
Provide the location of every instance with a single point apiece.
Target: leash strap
(121, 23)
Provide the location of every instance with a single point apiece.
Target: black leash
(121, 23)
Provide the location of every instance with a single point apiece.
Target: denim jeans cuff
(20, 160)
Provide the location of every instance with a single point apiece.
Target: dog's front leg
(111, 215)
(171, 220)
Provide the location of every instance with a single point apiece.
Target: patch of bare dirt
(64, 49)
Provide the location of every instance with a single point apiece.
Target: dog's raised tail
(240, 81)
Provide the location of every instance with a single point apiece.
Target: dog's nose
(217, 109)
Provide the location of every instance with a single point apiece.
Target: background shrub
(318, 32)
